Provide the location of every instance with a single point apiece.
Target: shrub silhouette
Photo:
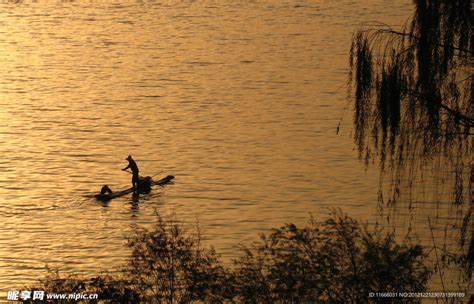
(169, 265)
(336, 261)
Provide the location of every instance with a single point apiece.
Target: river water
(239, 100)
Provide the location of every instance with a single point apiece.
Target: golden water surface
(239, 100)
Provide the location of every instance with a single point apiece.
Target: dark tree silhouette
(339, 260)
(413, 92)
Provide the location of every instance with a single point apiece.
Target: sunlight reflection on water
(239, 101)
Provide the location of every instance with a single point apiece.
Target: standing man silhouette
(135, 176)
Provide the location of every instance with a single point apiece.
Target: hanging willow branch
(413, 103)
(406, 84)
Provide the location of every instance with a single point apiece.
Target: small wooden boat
(144, 186)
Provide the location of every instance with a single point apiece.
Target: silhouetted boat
(144, 186)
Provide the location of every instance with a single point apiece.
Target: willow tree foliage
(413, 95)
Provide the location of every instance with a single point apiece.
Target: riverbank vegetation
(338, 260)
(412, 90)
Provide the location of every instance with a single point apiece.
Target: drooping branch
(414, 87)
(411, 36)
(414, 110)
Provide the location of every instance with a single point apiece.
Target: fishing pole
(142, 176)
